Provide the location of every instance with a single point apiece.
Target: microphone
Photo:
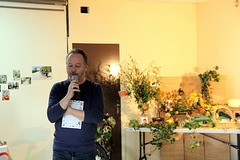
(76, 94)
(75, 78)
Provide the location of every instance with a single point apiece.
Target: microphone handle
(76, 95)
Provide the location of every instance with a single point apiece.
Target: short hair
(77, 51)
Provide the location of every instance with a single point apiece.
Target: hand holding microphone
(75, 80)
(75, 85)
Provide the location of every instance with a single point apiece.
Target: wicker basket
(224, 125)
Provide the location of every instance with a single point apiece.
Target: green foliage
(194, 123)
(134, 124)
(206, 78)
(161, 131)
(195, 142)
(198, 121)
(104, 131)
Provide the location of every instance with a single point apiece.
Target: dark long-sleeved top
(76, 140)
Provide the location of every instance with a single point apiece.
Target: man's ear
(86, 68)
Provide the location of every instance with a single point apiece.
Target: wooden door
(101, 57)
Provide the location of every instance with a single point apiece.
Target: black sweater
(76, 140)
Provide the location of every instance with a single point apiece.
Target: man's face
(76, 66)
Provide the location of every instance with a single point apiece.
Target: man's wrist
(68, 98)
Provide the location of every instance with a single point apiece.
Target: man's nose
(74, 69)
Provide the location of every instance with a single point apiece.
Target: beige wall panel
(173, 151)
(215, 149)
(198, 152)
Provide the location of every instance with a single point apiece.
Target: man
(75, 106)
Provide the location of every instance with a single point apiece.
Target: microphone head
(74, 78)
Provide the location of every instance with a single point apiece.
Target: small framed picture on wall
(5, 95)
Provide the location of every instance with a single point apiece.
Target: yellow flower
(207, 107)
(170, 121)
(207, 113)
(214, 108)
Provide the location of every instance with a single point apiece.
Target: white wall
(163, 32)
(146, 30)
(218, 31)
(30, 38)
(219, 40)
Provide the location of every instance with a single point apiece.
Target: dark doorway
(103, 57)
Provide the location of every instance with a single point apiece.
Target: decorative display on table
(142, 85)
(177, 104)
(193, 110)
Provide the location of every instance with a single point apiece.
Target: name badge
(69, 121)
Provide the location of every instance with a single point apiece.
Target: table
(202, 131)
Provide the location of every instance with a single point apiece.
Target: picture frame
(144, 120)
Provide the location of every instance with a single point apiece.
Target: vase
(158, 118)
(144, 114)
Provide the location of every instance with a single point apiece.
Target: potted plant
(104, 132)
(142, 85)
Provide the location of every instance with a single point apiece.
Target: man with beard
(76, 107)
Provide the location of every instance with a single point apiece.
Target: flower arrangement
(177, 102)
(142, 85)
(199, 107)
(173, 102)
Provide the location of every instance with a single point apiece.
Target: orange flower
(156, 122)
(144, 107)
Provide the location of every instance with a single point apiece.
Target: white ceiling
(181, 1)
